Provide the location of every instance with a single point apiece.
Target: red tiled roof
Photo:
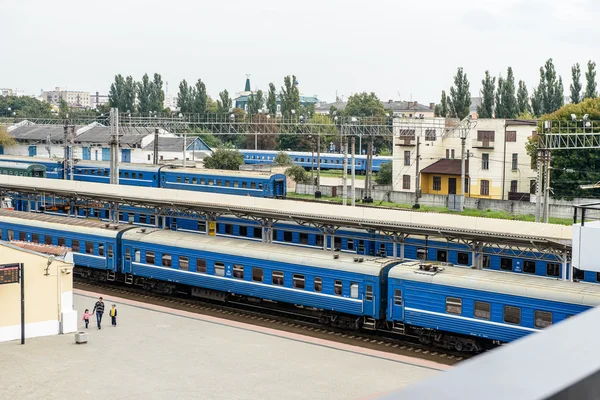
(42, 248)
(445, 166)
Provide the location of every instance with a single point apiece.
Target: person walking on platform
(86, 317)
(113, 315)
(99, 310)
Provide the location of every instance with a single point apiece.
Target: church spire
(247, 88)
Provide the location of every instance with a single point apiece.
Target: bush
(298, 174)
(384, 176)
(283, 158)
(224, 159)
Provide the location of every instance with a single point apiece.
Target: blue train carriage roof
(223, 172)
(4, 158)
(20, 165)
(125, 166)
(71, 225)
(308, 154)
(507, 283)
(262, 251)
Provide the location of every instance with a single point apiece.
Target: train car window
(244, 185)
(133, 175)
(354, 290)
(506, 264)
(136, 255)
(553, 269)
(260, 185)
(238, 271)
(186, 180)
(487, 262)
(258, 232)
(302, 159)
(11, 234)
(512, 315)
(325, 161)
(128, 254)
(337, 161)
(110, 251)
(597, 276)
(126, 174)
(120, 216)
(202, 181)
(149, 257)
(319, 240)
(398, 297)
(142, 219)
(227, 183)
(194, 181)
(35, 238)
(421, 254)
(235, 184)
(252, 185)
(105, 172)
(303, 238)
(89, 247)
(184, 263)
(257, 274)
(442, 255)
(48, 239)
(337, 288)
(167, 260)
(201, 226)
(277, 278)
(100, 249)
(287, 236)
(542, 319)
(318, 284)
(200, 266)
(228, 229)
(350, 244)
(298, 281)
(529, 267)
(219, 269)
(337, 243)
(453, 305)
(218, 182)
(296, 159)
(369, 293)
(483, 310)
(152, 219)
(178, 179)
(578, 274)
(22, 236)
(243, 230)
(210, 182)
(163, 178)
(462, 258)
(75, 246)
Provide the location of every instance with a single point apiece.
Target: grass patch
(339, 174)
(467, 212)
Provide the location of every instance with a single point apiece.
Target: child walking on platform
(86, 317)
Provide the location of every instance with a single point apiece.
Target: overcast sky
(394, 48)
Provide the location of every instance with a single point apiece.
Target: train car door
(397, 305)
(279, 188)
(127, 260)
(369, 299)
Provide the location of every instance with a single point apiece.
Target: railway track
(269, 318)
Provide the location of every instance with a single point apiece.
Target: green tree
(144, 90)
(486, 109)
(224, 103)
(384, 176)
(272, 100)
(364, 105)
(283, 158)
(224, 159)
(460, 96)
(5, 139)
(200, 98)
(63, 109)
(443, 110)
(499, 111)
(549, 95)
(256, 102)
(24, 106)
(590, 81)
(129, 94)
(157, 96)
(184, 98)
(506, 101)
(298, 174)
(290, 96)
(576, 85)
(523, 99)
(116, 94)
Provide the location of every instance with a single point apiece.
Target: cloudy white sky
(394, 48)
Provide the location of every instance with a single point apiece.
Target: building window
(447, 153)
(430, 135)
(483, 310)
(485, 161)
(511, 136)
(406, 182)
(553, 269)
(512, 315)
(201, 266)
(238, 271)
(298, 281)
(485, 136)
(466, 185)
(437, 183)
(452, 154)
(484, 189)
(277, 278)
(219, 269)
(542, 319)
(529, 267)
(337, 288)
(407, 157)
(257, 274)
(453, 305)
(167, 260)
(513, 186)
(318, 284)
(515, 161)
(532, 186)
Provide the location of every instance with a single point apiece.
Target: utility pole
(71, 148)
(417, 174)
(353, 193)
(547, 187)
(463, 139)
(155, 147)
(114, 146)
(319, 164)
(538, 194)
(184, 146)
(345, 172)
(369, 172)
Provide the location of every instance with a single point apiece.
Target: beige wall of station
(48, 295)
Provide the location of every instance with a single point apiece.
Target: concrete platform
(160, 353)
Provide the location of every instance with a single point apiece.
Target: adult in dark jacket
(99, 310)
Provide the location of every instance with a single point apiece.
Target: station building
(48, 290)
(497, 164)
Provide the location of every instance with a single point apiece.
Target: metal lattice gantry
(570, 135)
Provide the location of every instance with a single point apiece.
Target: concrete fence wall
(558, 208)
